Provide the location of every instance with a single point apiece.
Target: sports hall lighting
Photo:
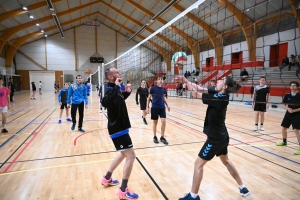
(38, 24)
(58, 25)
(30, 16)
(197, 3)
(46, 35)
(24, 8)
(42, 31)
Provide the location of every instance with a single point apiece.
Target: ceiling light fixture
(58, 25)
(38, 24)
(24, 8)
(46, 35)
(152, 20)
(49, 2)
(42, 31)
(30, 16)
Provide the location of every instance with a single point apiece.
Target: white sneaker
(105, 111)
(100, 110)
(262, 128)
(255, 128)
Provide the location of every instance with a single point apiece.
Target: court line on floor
(25, 147)
(292, 161)
(18, 117)
(25, 140)
(152, 179)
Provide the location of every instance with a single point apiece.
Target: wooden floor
(41, 159)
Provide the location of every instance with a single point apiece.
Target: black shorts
(122, 143)
(291, 119)
(143, 105)
(63, 106)
(212, 148)
(260, 107)
(155, 112)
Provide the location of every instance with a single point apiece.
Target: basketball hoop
(88, 72)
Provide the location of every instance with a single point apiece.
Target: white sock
(194, 195)
(3, 126)
(242, 186)
(60, 118)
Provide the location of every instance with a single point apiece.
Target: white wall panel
(24, 64)
(47, 79)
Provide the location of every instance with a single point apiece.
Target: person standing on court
(260, 102)
(291, 103)
(62, 100)
(77, 97)
(143, 92)
(216, 131)
(158, 109)
(11, 88)
(118, 129)
(4, 104)
(33, 87)
(40, 87)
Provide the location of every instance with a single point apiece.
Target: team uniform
(212, 90)
(158, 103)
(293, 102)
(63, 97)
(214, 126)
(260, 97)
(143, 92)
(117, 115)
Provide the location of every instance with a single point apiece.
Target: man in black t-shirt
(260, 102)
(143, 92)
(291, 103)
(216, 131)
(11, 87)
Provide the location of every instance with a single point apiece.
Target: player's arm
(8, 100)
(70, 94)
(137, 96)
(166, 103)
(85, 96)
(148, 101)
(268, 100)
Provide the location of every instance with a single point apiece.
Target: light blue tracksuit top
(77, 94)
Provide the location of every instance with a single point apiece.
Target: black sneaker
(244, 192)
(145, 122)
(163, 140)
(155, 140)
(4, 130)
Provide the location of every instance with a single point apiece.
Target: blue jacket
(77, 94)
(63, 96)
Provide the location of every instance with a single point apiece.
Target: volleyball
(179, 58)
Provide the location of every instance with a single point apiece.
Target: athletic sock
(194, 195)
(3, 126)
(284, 140)
(124, 184)
(108, 175)
(242, 186)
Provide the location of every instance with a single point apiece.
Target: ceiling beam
(19, 41)
(172, 44)
(296, 11)
(245, 22)
(186, 38)
(132, 32)
(11, 31)
(20, 11)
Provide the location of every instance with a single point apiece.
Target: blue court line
(20, 131)
(249, 145)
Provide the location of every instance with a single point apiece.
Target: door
(282, 52)
(274, 56)
(47, 79)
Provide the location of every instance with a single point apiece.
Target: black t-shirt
(261, 93)
(12, 87)
(212, 90)
(214, 123)
(33, 87)
(143, 92)
(293, 102)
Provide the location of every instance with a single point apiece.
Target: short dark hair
(212, 81)
(295, 82)
(159, 77)
(232, 85)
(76, 76)
(262, 77)
(128, 81)
(107, 73)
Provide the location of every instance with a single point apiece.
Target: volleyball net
(220, 38)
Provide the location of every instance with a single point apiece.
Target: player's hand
(60, 103)
(147, 110)
(137, 103)
(180, 79)
(8, 107)
(86, 107)
(68, 105)
(252, 105)
(268, 106)
(168, 109)
(290, 110)
(118, 81)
